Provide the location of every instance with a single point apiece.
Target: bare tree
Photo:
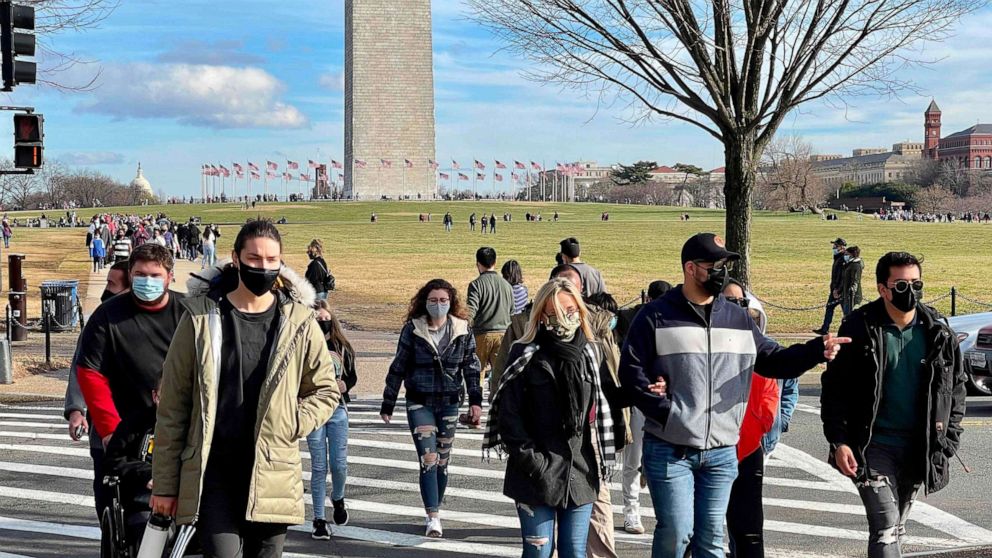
(54, 17)
(788, 178)
(733, 69)
(933, 199)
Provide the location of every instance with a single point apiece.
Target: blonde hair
(550, 291)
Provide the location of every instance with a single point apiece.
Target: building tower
(931, 128)
(389, 99)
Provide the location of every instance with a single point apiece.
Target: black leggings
(224, 533)
(745, 519)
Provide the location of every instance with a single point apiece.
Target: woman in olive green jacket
(247, 376)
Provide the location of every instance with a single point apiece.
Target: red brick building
(970, 148)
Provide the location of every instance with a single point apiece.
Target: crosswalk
(46, 504)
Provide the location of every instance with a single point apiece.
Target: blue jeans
(690, 489)
(433, 430)
(537, 529)
(209, 256)
(331, 437)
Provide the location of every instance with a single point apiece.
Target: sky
(219, 81)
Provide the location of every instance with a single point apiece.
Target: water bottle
(156, 536)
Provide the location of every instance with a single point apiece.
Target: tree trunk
(741, 158)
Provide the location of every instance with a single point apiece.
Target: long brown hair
(418, 304)
(338, 340)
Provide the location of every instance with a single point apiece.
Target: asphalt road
(46, 506)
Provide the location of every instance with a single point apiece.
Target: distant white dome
(141, 183)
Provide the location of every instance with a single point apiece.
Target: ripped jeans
(433, 430)
(537, 528)
(888, 496)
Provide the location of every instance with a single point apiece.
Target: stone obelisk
(389, 99)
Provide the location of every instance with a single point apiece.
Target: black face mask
(325, 326)
(257, 280)
(905, 301)
(107, 295)
(716, 280)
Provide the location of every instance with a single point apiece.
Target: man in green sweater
(490, 303)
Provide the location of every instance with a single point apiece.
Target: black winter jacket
(852, 390)
(547, 466)
(836, 273)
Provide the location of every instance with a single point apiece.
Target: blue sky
(183, 83)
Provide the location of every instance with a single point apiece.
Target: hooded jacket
(432, 378)
(298, 395)
(852, 390)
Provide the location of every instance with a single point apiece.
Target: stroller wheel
(108, 546)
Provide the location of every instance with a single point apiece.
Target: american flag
(237, 167)
(304, 177)
(240, 173)
(312, 164)
(225, 172)
(271, 174)
(360, 164)
(480, 176)
(479, 165)
(515, 177)
(336, 165)
(445, 176)
(292, 165)
(255, 175)
(500, 165)
(462, 176)
(386, 164)
(409, 163)
(269, 165)
(519, 165)
(559, 167)
(454, 164)
(287, 176)
(535, 166)
(498, 177)
(433, 164)
(252, 167)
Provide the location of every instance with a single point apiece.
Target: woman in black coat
(551, 416)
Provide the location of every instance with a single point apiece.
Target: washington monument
(389, 99)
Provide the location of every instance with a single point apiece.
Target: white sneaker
(632, 523)
(434, 527)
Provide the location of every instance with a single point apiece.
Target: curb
(962, 552)
(26, 397)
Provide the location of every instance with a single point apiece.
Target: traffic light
(29, 138)
(15, 18)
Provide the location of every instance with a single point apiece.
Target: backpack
(329, 282)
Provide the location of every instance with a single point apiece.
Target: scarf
(565, 358)
(604, 420)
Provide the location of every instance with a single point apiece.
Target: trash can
(60, 296)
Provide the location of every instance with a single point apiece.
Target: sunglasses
(903, 285)
(720, 265)
(742, 302)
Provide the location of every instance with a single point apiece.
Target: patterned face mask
(564, 328)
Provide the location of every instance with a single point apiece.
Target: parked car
(975, 335)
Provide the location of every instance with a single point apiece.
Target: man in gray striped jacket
(687, 365)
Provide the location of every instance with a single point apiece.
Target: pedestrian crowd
(685, 394)
(111, 238)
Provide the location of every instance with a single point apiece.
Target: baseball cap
(840, 242)
(706, 247)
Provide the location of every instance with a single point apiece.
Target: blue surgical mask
(613, 323)
(148, 289)
(438, 310)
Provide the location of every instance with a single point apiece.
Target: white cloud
(211, 96)
(332, 81)
(89, 158)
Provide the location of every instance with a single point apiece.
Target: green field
(379, 266)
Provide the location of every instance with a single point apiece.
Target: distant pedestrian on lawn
(850, 283)
(836, 276)
(317, 273)
(449, 221)
(492, 223)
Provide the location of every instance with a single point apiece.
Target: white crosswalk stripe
(41, 469)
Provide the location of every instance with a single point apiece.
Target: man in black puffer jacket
(892, 404)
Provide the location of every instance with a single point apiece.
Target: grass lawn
(379, 266)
